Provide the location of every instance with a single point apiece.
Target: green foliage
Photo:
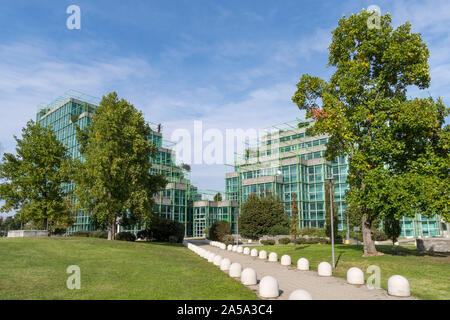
(284, 241)
(99, 234)
(313, 232)
(218, 230)
(32, 179)
(114, 181)
(125, 236)
(398, 148)
(81, 233)
(218, 197)
(163, 230)
(312, 241)
(392, 228)
(268, 242)
(229, 239)
(259, 215)
(278, 229)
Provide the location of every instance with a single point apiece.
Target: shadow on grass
(398, 251)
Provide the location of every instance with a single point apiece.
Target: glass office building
(285, 161)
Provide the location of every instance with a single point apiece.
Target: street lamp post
(330, 182)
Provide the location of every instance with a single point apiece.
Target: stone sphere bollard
(273, 257)
(300, 295)
(324, 269)
(248, 277)
(263, 254)
(225, 264)
(235, 248)
(235, 270)
(217, 260)
(211, 257)
(398, 286)
(303, 264)
(246, 250)
(223, 246)
(268, 287)
(230, 247)
(355, 276)
(285, 260)
(254, 252)
(240, 249)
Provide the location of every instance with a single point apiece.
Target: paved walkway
(290, 279)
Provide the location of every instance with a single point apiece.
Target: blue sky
(231, 64)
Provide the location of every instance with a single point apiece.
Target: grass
(35, 268)
(428, 273)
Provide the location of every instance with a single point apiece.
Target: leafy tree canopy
(114, 180)
(32, 179)
(398, 148)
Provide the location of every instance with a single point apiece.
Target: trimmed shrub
(313, 232)
(378, 235)
(229, 239)
(81, 233)
(219, 230)
(173, 239)
(284, 241)
(162, 229)
(278, 229)
(99, 234)
(125, 236)
(268, 242)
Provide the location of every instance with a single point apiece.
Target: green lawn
(36, 269)
(428, 274)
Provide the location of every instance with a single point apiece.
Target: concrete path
(290, 279)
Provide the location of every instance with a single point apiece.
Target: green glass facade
(289, 161)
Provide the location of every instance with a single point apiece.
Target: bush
(312, 241)
(99, 234)
(278, 230)
(268, 242)
(163, 230)
(229, 239)
(378, 235)
(284, 241)
(125, 236)
(219, 230)
(81, 233)
(313, 232)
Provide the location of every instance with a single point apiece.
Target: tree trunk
(112, 230)
(369, 244)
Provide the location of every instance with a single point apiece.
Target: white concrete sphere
(263, 254)
(246, 250)
(235, 270)
(248, 277)
(254, 252)
(285, 260)
(303, 264)
(240, 249)
(230, 247)
(235, 248)
(223, 246)
(355, 276)
(211, 257)
(324, 269)
(398, 286)
(273, 257)
(300, 295)
(268, 287)
(225, 264)
(217, 260)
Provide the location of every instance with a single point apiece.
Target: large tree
(113, 181)
(260, 214)
(397, 148)
(32, 179)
